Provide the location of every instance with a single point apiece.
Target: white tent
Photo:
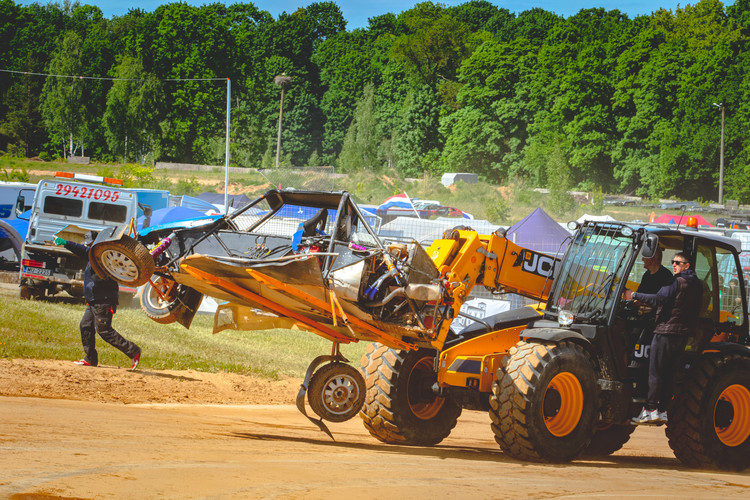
(595, 218)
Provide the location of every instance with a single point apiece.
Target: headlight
(565, 318)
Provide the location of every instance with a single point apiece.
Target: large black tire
(336, 392)
(126, 261)
(608, 439)
(164, 308)
(709, 422)
(400, 406)
(545, 402)
(25, 292)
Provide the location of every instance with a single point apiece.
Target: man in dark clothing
(677, 311)
(101, 303)
(656, 275)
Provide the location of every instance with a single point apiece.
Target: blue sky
(356, 12)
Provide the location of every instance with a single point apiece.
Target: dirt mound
(64, 380)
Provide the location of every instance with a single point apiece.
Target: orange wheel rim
(563, 414)
(732, 415)
(425, 410)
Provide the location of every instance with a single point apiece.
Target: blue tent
(170, 215)
(236, 201)
(538, 231)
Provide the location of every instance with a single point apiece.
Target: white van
(66, 208)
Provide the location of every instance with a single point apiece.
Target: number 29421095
(87, 192)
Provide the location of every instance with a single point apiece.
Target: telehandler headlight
(565, 318)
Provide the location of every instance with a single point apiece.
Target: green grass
(49, 330)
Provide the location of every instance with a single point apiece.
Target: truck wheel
(608, 439)
(164, 308)
(544, 403)
(126, 261)
(25, 292)
(400, 407)
(336, 392)
(709, 423)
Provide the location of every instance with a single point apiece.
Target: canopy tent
(539, 232)
(236, 201)
(595, 218)
(170, 215)
(681, 219)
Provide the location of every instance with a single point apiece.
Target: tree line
(596, 101)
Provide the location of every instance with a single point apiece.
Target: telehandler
(566, 380)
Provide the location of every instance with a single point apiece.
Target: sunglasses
(679, 262)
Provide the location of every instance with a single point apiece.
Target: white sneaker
(662, 417)
(647, 417)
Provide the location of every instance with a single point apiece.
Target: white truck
(69, 206)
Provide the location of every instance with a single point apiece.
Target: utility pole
(721, 156)
(282, 81)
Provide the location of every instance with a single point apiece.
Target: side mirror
(650, 245)
(147, 211)
(20, 205)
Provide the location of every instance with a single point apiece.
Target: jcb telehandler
(566, 380)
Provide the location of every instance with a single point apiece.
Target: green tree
(131, 117)
(560, 202)
(62, 98)
(434, 44)
(360, 148)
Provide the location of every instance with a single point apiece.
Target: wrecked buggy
(303, 258)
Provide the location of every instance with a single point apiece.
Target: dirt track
(92, 445)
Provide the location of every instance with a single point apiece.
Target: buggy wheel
(544, 403)
(709, 422)
(126, 261)
(400, 406)
(336, 392)
(160, 300)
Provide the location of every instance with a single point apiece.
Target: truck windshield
(592, 267)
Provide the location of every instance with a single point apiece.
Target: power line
(80, 77)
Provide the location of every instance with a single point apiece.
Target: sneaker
(662, 417)
(647, 417)
(82, 362)
(136, 360)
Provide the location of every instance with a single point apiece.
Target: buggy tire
(164, 310)
(336, 392)
(400, 406)
(544, 402)
(25, 292)
(126, 261)
(709, 421)
(608, 439)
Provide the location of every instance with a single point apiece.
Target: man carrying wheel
(101, 296)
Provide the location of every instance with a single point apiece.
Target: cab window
(728, 282)
(68, 207)
(107, 212)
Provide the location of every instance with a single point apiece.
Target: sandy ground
(72, 432)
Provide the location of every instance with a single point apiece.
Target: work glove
(59, 241)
